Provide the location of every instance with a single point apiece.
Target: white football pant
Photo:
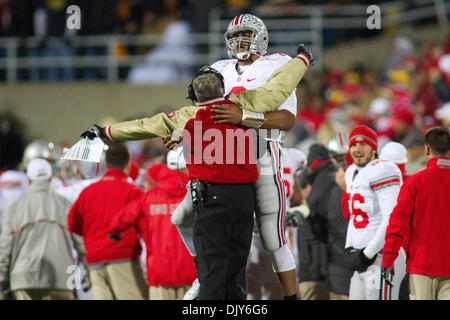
(269, 212)
(370, 284)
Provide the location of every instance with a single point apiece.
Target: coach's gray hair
(207, 86)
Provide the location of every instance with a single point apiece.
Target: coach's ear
(427, 151)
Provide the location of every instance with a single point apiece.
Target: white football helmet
(338, 144)
(44, 149)
(91, 170)
(259, 39)
(41, 149)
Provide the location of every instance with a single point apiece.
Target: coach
(222, 192)
(114, 267)
(422, 216)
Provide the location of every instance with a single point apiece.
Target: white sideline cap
(175, 159)
(395, 152)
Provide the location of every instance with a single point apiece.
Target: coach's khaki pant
(313, 290)
(428, 288)
(167, 293)
(119, 281)
(337, 296)
(44, 294)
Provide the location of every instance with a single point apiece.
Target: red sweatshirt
(423, 213)
(168, 262)
(219, 153)
(94, 209)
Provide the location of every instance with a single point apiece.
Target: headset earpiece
(203, 70)
(191, 93)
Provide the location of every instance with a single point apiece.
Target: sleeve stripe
(303, 58)
(384, 179)
(10, 184)
(107, 131)
(385, 183)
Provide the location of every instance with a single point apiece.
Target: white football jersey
(292, 159)
(253, 76)
(373, 194)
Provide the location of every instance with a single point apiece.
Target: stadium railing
(303, 24)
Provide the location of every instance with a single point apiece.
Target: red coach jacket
(224, 139)
(168, 261)
(423, 213)
(93, 211)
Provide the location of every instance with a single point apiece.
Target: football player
(372, 185)
(249, 67)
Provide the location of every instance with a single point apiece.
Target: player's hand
(356, 260)
(365, 260)
(93, 132)
(170, 143)
(294, 218)
(227, 114)
(114, 236)
(302, 49)
(297, 215)
(388, 274)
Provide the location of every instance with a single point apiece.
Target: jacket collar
(205, 103)
(111, 172)
(39, 185)
(433, 162)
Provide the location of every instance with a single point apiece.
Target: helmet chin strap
(243, 55)
(246, 55)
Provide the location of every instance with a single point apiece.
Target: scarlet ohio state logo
(359, 138)
(170, 115)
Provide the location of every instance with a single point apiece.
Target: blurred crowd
(174, 20)
(19, 18)
(401, 101)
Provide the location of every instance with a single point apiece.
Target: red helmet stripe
(341, 141)
(236, 20)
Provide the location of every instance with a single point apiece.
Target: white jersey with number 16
(373, 194)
